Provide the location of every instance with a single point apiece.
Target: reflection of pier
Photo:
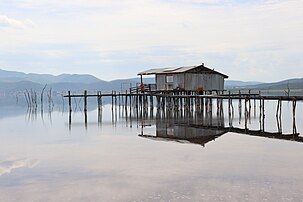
(176, 103)
(200, 130)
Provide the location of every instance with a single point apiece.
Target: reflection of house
(188, 133)
(183, 132)
(187, 78)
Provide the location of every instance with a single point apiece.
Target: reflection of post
(99, 117)
(229, 111)
(294, 104)
(245, 113)
(255, 113)
(240, 110)
(218, 106)
(222, 109)
(112, 95)
(70, 120)
(119, 100)
(130, 109)
(85, 119)
(42, 113)
(232, 109)
(125, 102)
(278, 116)
(130, 103)
(115, 99)
(210, 111)
(263, 115)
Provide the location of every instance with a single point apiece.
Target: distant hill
(18, 86)
(11, 81)
(234, 83)
(290, 83)
(12, 76)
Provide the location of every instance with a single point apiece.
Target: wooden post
(70, 112)
(210, 111)
(211, 105)
(98, 101)
(99, 108)
(158, 105)
(85, 108)
(119, 100)
(112, 100)
(219, 107)
(229, 109)
(101, 100)
(278, 117)
(126, 101)
(249, 102)
(151, 105)
(69, 101)
(130, 104)
(85, 100)
(202, 105)
(115, 99)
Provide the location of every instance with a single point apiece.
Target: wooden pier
(176, 103)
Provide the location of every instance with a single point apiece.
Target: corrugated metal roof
(183, 69)
(178, 70)
(167, 70)
(155, 71)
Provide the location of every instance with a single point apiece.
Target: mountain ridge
(46, 78)
(18, 81)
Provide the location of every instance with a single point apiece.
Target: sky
(260, 40)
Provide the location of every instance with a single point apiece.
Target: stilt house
(191, 78)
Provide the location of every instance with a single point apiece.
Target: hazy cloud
(13, 23)
(239, 37)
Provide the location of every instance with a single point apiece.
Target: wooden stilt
(69, 101)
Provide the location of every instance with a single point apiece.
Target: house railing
(143, 88)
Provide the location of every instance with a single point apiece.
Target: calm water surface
(46, 159)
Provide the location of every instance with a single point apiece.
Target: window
(169, 79)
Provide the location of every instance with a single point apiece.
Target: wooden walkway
(173, 102)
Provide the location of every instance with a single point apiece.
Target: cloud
(13, 23)
(9, 166)
(246, 35)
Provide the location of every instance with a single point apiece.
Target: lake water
(45, 158)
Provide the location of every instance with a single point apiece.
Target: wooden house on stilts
(188, 78)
